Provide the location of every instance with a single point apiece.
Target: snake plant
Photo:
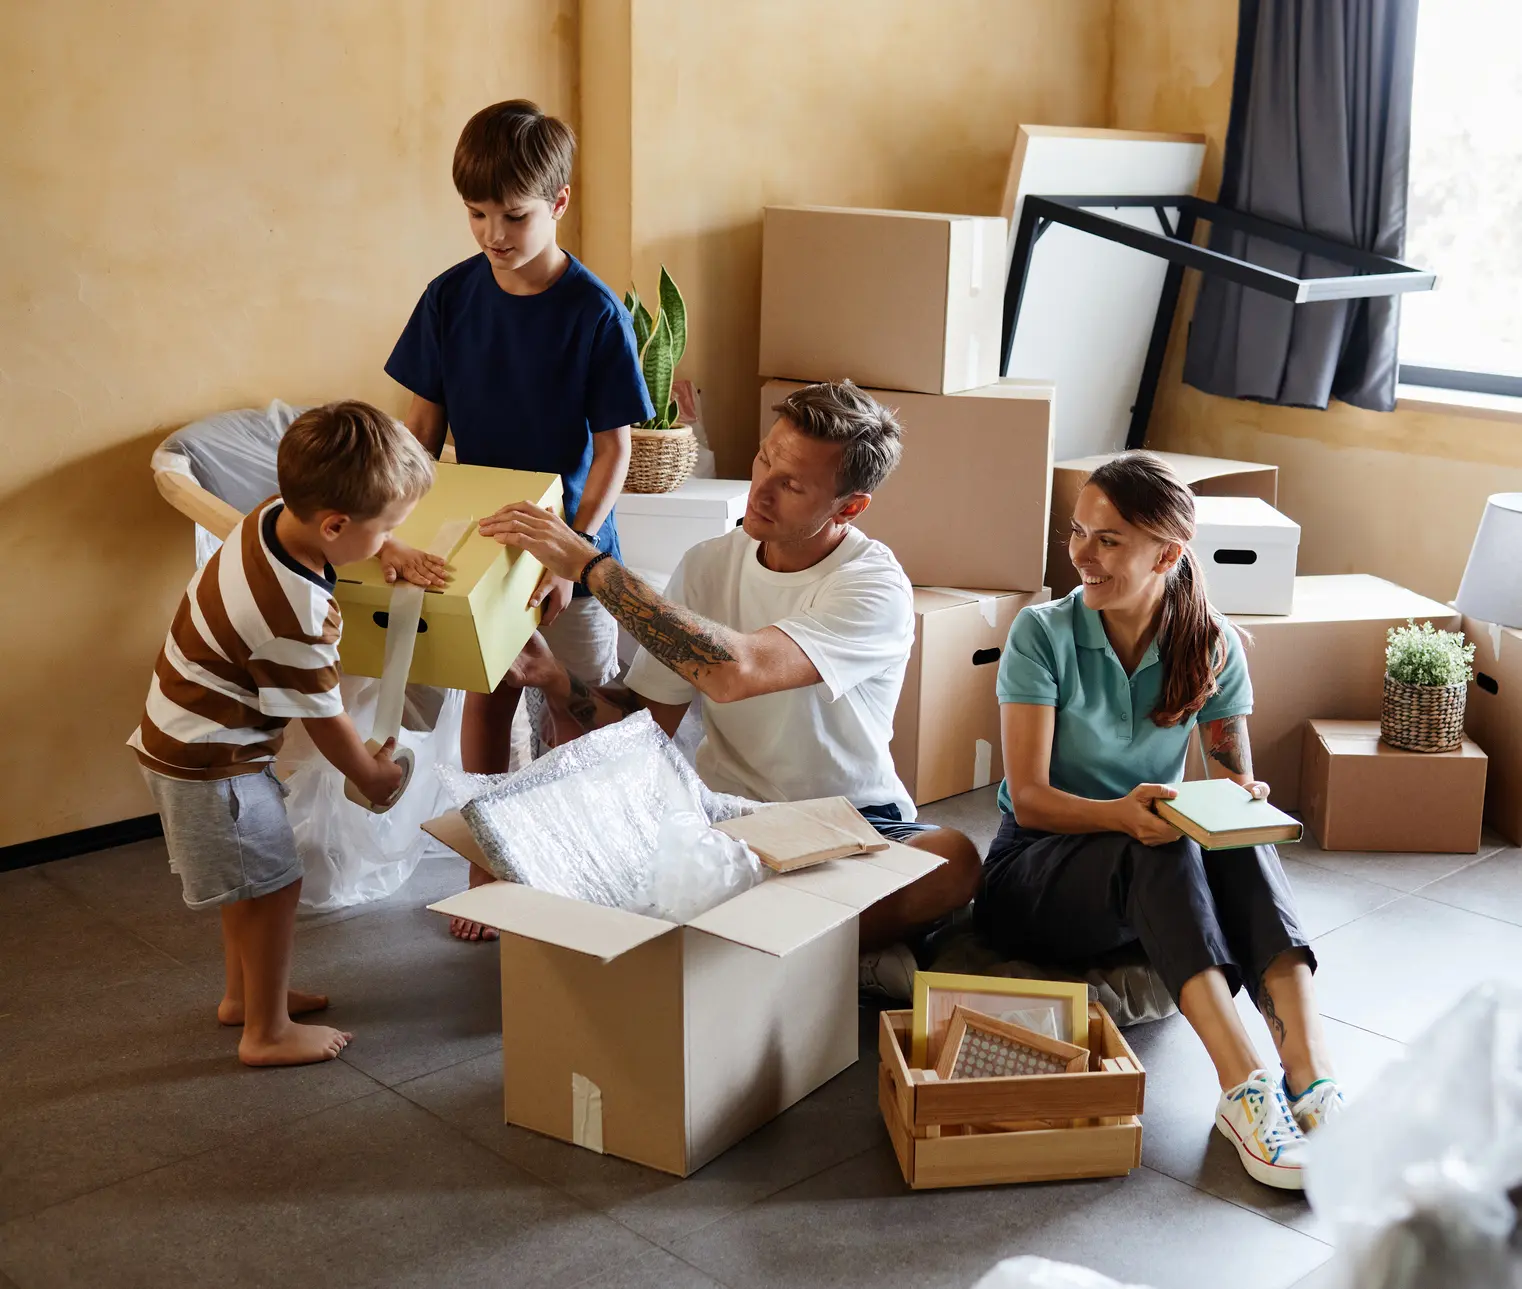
(662, 340)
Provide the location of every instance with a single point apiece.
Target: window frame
(1467, 382)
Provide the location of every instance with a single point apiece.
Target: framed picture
(980, 1047)
(1057, 1008)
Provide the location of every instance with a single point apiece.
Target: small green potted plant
(663, 449)
(1427, 675)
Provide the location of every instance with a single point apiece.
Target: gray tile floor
(134, 1150)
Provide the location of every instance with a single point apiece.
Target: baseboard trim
(81, 842)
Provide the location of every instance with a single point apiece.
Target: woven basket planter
(1422, 718)
(660, 460)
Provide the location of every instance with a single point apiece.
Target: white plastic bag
(1414, 1177)
(696, 868)
(1038, 1273)
(352, 856)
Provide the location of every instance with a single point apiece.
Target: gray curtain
(1319, 139)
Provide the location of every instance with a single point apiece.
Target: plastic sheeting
(617, 818)
(1414, 1177)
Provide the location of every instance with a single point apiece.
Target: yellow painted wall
(205, 206)
(893, 103)
(1396, 494)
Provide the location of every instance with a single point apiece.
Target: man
(792, 634)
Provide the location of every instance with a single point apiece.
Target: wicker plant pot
(660, 460)
(1422, 718)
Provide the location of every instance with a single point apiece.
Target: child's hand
(401, 562)
(385, 776)
(551, 595)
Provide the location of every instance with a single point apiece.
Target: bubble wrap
(586, 820)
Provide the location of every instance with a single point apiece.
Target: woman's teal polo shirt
(1105, 743)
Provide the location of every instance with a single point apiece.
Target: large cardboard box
(1493, 719)
(1357, 793)
(968, 503)
(946, 729)
(472, 630)
(1248, 552)
(1206, 477)
(655, 529)
(1323, 660)
(889, 298)
(666, 1044)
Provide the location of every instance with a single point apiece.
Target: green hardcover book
(1222, 815)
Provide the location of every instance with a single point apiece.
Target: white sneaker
(888, 973)
(1255, 1117)
(1321, 1101)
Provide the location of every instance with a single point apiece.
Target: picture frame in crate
(1059, 1008)
(980, 1047)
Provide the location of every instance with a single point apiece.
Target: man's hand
(543, 534)
(401, 562)
(1135, 816)
(551, 597)
(383, 777)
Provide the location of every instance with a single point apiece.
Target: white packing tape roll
(403, 615)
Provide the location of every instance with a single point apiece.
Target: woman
(1098, 694)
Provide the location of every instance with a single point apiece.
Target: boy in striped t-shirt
(254, 645)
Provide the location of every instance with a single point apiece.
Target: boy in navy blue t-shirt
(531, 361)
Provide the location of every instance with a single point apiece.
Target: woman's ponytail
(1191, 644)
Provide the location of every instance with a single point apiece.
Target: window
(1464, 219)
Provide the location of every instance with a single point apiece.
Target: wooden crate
(1036, 1128)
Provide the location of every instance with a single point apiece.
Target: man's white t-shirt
(853, 615)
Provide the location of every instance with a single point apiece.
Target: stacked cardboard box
(908, 305)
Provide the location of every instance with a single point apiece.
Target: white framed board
(1089, 305)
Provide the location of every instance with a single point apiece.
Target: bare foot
(464, 929)
(297, 1003)
(296, 1045)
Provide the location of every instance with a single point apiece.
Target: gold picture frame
(980, 1047)
(937, 994)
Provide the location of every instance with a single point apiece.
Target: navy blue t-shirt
(525, 380)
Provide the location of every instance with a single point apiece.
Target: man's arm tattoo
(582, 704)
(1226, 743)
(681, 639)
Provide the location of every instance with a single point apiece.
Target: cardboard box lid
(459, 492)
(871, 212)
(697, 498)
(1351, 597)
(1191, 469)
(1361, 739)
(1224, 518)
(783, 913)
(938, 599)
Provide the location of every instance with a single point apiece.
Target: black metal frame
(1175, 243)
(1469, 382)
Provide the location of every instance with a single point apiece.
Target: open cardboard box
(665, 1043)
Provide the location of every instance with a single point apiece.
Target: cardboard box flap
(1353, 597)
(774, 917)
(1191, 469)
(553, 919)
(454, 832)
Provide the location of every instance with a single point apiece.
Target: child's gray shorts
(228, 839)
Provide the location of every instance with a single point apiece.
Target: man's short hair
(840, 412)
(512, 151)
(352, 458)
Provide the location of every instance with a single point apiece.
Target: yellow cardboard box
(473, 629)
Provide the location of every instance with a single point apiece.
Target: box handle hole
(382, 619)
(1235, 557)
(982, 657)
(1487, 683)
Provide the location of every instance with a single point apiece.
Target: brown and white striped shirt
(254, 644)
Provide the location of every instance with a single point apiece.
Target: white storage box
(1248, 551)
(656, 529)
